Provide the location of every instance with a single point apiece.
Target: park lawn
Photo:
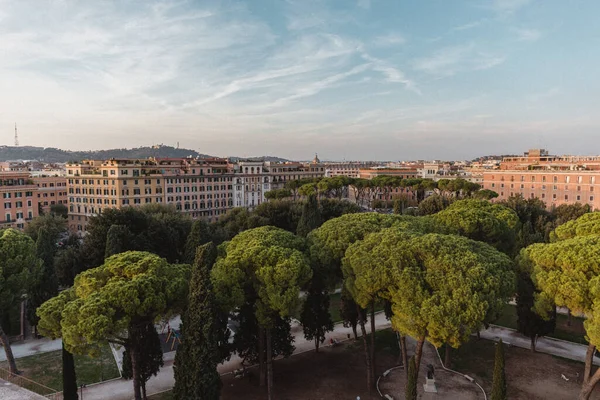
(574, 333)
(46, 368)
(168, 395)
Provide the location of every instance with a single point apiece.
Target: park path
(555, 347)
(31, 347)
(120, 389)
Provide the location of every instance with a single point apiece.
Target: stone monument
(429, 386)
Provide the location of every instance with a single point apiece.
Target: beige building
(51, 190)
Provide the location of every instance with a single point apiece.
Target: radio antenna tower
(16, 136)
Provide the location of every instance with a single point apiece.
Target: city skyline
(350, 80)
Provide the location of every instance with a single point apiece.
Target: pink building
(18, 199)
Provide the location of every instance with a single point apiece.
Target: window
(7, 205)
(591, 198)
(6, 195)
(578, 198)
(566, 197)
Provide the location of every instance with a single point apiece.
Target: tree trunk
(134, 372)
(69, 377)
(261, 356)
(355, 332)
(589, 384)
(478, 335)
(23, 308)
(447, 356)
(419, 353)
(404, 353)
(12, 365)
(144, 390)
(316, 344)
(568, 317)
(367, 352)
(533, 340)
(589, 362)
(373, 365)
(269, 367)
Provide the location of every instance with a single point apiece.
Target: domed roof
(316, 159)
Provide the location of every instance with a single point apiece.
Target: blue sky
(349, 79)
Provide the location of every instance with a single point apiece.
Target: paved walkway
(556, 347)
(31, 347)
(123, 390)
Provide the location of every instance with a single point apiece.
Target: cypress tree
(499, 382)
(411, 383)
(311, 216)
(199, 235)
(529, 323)
(47, 286)
(118, 240)
(69, 377)
(315, 317)
(197, 357)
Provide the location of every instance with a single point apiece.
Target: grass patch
(46, 368)
(163, 396)
(572, 333)
(474, 357)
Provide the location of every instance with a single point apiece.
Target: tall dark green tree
(199, 235)
(499, 382)
(118, 240)
(315, 318)
(311, 216)
(150, 355)
(529, 323)
(204, 335)
(69, 378)
(47, 286)
(349, 312)
(410, 391)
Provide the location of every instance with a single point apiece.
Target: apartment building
(201, 188)
(51, 190)
(19, 202)
(553, 179)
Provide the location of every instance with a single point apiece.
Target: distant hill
(52, 155)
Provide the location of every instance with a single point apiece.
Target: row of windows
(172, 199)
(51, 184)
(17, 204)
(8, 195)
(554, 187)
(567, 179)
(554, 196)
(19, 215)
(186, 189)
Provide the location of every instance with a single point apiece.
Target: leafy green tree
(150, 358)
(311, 217)
(482, 221)
(118, 240)
(413, 271)
(60, 210)
(204, 335)
(333, 208)
(411, 383)
(569, 212)
(199, 235)
(499, 382)
(20, 270)
(283, 214)
(434, 204)
(268, 266)
(129, 290)
(278, 194)
(536, 222)
(47, 286)
(315, 318)
(155, 228)
(567, 274)
(485, 194)
(55, 225)
(68, 261)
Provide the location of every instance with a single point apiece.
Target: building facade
(51, 190)
(554, 180)
(19, 202)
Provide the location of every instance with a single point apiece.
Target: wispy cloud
(388, 40)
(527, 35)
(543, 95)
(470, 25)
(450, 60)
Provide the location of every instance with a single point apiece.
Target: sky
(347, 79)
